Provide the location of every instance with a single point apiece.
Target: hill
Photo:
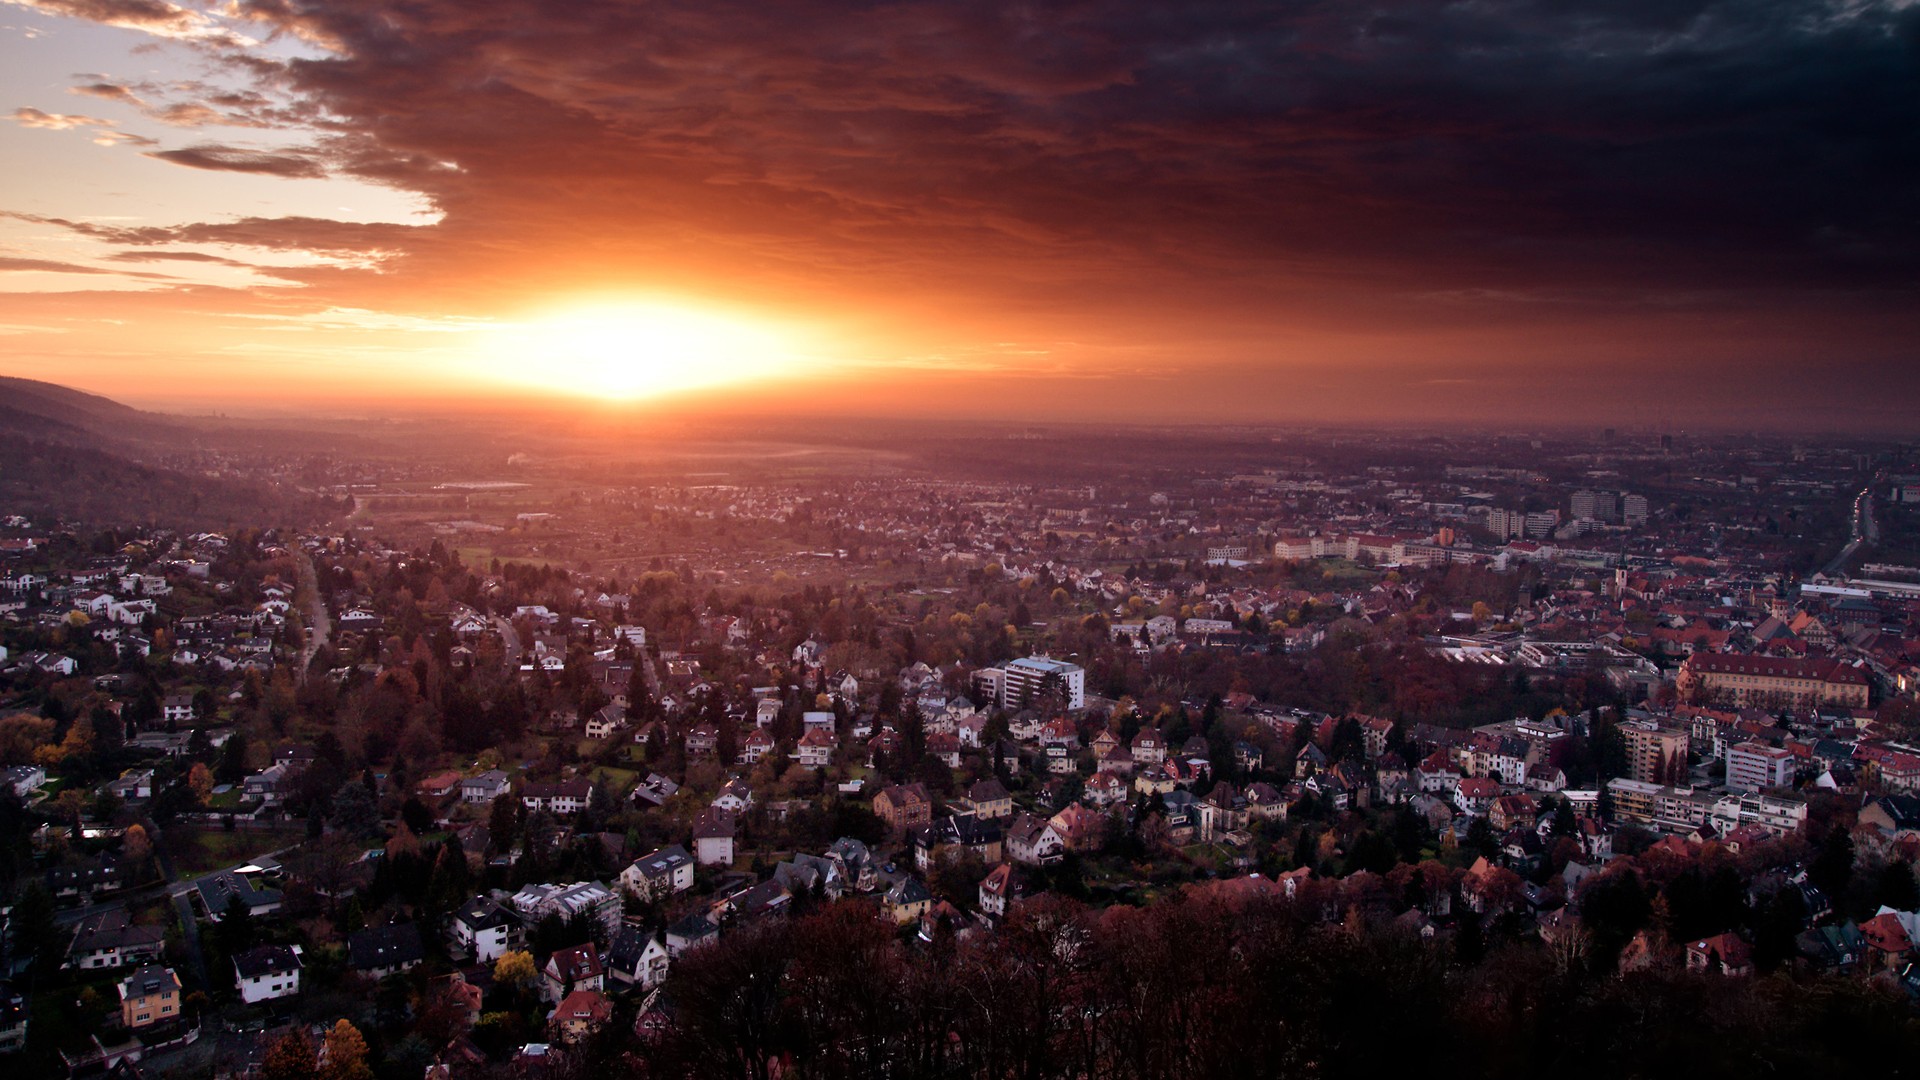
(89, 459)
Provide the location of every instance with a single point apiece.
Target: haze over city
(1677, 214)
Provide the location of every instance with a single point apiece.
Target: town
(527, 767)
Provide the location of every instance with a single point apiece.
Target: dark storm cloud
(1412, 144)
(1528, 172)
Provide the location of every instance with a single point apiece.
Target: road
(509, 643)
(1866, 533)
(319, 623)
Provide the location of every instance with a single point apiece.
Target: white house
(267, 972)
(484, 930)
(659, 875)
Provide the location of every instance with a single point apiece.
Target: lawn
(197, 851)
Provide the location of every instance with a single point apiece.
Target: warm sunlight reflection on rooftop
(640, 349)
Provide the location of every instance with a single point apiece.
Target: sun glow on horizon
(642, 349)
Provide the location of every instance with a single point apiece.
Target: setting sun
(637, 350)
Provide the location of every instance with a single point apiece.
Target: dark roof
(482, 913)
(629, 944)
(988, 790)
(218, 891)
(265, 960)
(693, 927)
(385, 946)
(152, 979)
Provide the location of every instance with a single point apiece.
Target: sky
(1655, 213)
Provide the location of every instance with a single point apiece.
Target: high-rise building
(1026, 678)
(1633, 509)
(1755, 766)
(1655, 754)
(1595, 506)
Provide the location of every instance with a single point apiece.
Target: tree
(290, 1058)
(1895, 887)
(346, 1053)
(135, 845)
(503, 822)
(1832, 869)
(235, 930)
(354, 811)
(514, 969)
(32, 928)
(200, 782)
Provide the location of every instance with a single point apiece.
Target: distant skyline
(1658, 214)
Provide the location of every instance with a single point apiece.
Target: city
(959, 541)
(517, 770)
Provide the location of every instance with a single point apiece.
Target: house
(1105, 789)
(1153, 780)
(998, 890)
(1265, 802)
(981, 836)
(815, 749)
(579, 1015)
(24, 779)
(904, 807)
(908, 900)
(691, 932)
(989, 799)
(481, 790)
(438, 786)
(1149, 747)
(1509, 811)
(484, 930)
(563, 798)
(452, 995)
(735, 797)
(244, 886)
(571, 969)
(133, 785)
(581, 899)
(655, 790)
(149, 996)
(768, 900)
(755, 746)
(1223, 814)
(766, 711)
(380, 951)
(1034, 841)
(109, 939)
(1476, 794)
(606, 722)
(659, 875)
(713, 833)
(855, 864)
(267, 972)
(702, 740)
(271, 785)
(1887, 941)
(946, 747)
(177, 710)
(637, 957)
